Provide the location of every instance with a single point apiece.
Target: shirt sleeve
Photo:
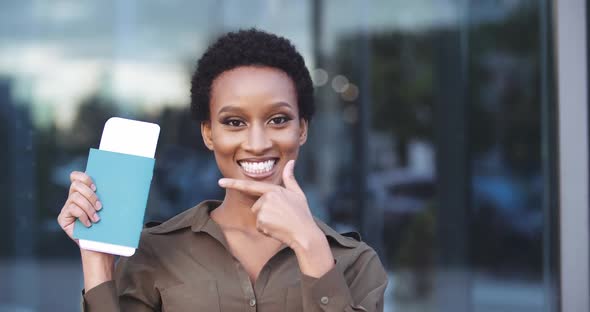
(101, 298)
(359, 288)
(133, 288)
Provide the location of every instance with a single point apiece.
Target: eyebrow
(234, 109)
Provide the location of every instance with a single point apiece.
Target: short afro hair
(250, 47)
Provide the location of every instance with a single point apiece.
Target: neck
(235, 211)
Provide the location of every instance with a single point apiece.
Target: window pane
(433, 136)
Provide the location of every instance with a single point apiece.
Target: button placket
(247, 286)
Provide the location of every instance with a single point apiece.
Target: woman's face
(254, 126)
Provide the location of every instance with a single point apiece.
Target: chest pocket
(294, 302)
(200, 296)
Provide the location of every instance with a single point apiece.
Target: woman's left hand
(281, 212)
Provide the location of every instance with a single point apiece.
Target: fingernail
(96, 217)
(93, 187)
(88, 224)
(222, 182)
(98, 205)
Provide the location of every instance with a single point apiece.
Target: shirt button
(252, 302)
(324, 300)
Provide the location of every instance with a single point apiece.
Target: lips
(258, 167)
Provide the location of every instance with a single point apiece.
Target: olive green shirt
(184, 264)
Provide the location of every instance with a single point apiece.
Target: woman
(259, 249)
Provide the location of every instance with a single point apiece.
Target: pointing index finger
(250, 187)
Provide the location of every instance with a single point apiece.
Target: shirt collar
(197, 218)
(337, 237)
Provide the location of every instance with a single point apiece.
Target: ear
(206, 133)
(303, 128)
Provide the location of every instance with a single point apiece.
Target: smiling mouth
(252, 167)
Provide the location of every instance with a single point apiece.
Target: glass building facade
(435, 135)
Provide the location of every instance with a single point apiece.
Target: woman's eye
(233, 122)
(279, 120)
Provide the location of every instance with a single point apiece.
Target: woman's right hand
(82, 203)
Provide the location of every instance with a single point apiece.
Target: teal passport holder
(122, 186)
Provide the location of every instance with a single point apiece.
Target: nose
(258, 140)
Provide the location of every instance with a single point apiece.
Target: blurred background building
(441, 135)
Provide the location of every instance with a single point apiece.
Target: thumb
(289, 177)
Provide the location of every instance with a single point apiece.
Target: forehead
(252, 83)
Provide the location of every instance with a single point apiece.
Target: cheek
(224, 148)
(224, 143)
(288, 143)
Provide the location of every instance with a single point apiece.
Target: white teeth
(257, 167)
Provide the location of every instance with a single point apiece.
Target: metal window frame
(572, 97)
